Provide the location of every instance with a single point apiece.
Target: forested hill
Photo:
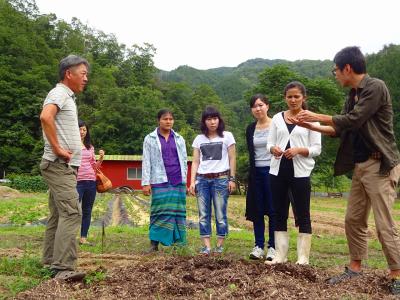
(230, 83)
(126, 90)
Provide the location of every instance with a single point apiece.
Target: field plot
(118, 267)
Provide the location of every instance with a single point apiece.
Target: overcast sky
(214, 33)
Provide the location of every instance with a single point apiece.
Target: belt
(376, 155)
(61, 161)
(214, 175)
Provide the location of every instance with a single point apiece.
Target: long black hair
(212, 112)
(86, 141)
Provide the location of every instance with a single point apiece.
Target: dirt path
(116, 213)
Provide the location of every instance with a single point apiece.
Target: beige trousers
(59, 249)
(370, 189)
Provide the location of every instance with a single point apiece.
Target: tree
(386, 65)
(138, 67)
(25, 60)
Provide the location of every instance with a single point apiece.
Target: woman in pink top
(86, 184)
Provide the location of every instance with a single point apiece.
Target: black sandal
(68, 275)
(346, 275)
(394, 286)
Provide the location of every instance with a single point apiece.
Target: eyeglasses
(334, 70)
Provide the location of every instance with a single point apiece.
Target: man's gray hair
(70, 61)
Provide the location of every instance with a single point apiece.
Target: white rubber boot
(303, 248)
(281, 248)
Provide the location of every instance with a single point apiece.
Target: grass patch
(95, 276)
(25, 210)
(19, 274)
(22, 237)
(100, 205)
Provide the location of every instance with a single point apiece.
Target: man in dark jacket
(367, 147)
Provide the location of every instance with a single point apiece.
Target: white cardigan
(299, 137)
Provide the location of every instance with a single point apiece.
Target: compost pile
(215, 277)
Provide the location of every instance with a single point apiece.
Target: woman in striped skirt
(164, 170)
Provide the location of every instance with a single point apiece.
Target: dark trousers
(301, 191)
(87, 195)
(264, 203)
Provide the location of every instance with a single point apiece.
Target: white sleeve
(196, 143)
(230, 140)
(146, 163)
(271, 140)
(315, 143)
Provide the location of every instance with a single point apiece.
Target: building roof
(122, 157)
(127, 157)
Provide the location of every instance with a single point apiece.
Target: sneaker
(257, 253)
(270, 254)
(218, 249)
(346, 275)
(394, 286)
(205, 251)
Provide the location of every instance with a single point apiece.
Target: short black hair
(351, 56)
(164, 111)
(262, 97)
(212, 112)
(69, 62)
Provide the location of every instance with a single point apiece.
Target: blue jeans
(264, 203)
(213, 191)
(87, 195)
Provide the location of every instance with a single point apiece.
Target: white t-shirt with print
(213, 152)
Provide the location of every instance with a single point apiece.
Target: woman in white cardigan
(293, 148)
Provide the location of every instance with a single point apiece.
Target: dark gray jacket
(372, 116)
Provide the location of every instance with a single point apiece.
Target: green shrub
(27, 183)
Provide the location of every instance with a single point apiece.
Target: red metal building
(126, 170)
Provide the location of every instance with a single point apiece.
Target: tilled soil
(215, 277)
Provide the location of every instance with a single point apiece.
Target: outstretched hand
(306, 116)
(304, 124)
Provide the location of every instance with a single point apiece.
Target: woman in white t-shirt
(213, 176)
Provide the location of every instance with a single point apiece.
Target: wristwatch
(232, 178)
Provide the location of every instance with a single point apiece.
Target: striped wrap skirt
(168, 214)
